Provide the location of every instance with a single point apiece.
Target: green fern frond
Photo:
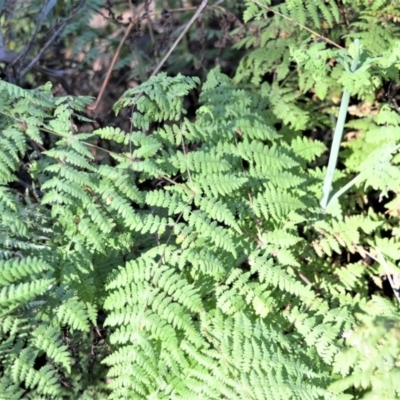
(76, 314)
(47, 339)
(45, 379)
(14, 270)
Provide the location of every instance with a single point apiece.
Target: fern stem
(337, 137)
(334, 154)
(343, 190)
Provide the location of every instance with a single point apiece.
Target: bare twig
(93, 107)
(55, 35)
(179, 38)
(21, 56)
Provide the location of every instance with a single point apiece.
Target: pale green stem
(337, 137)
(343, 190)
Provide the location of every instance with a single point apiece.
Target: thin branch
(55, 35)
(298, 24)
(185, 29)
(93, 107)
(21, 56)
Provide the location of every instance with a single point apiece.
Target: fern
(372, 351)
(193, 261)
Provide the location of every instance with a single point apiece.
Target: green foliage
(297, 25)
(372, 357)
(194, 261)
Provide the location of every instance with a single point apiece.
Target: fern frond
(48, 340)
(76, 314)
